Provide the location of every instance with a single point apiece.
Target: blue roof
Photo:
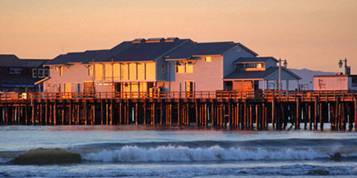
(142, 51)
(247, 75)
(194, 49)
(83, 57)
(254, 59)
(9, 60)
(151, 49)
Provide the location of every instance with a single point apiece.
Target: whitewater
(117, 152)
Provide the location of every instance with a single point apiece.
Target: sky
(312, 34)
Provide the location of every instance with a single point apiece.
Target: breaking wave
(170, 153)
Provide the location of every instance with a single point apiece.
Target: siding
(231, 55)
(208, 76)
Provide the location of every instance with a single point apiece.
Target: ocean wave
(171, 153)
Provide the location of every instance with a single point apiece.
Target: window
(354, 81)
(208, 59)
(99, 71)
(141, 71)
(46, 72)
(34, 73)
(189, 67)
(41, 73)
(60, 70)
(132, 71)
(150, 71)
(180, 68)
(90, 70)
(116, 71)
(15, 71)
(124, 72)
(108, 68)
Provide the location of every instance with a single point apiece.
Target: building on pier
(254, 73)
(142, 65)
(342, 81)
(146, 65)
(21, 74)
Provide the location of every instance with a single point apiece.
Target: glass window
(141, 71)
(180, 68)
(108, 71)
(99, 71)
(34, 73)
(208, 59)
(41, 73)
(143, 87)
(116, 71)
(189, 67)
(90, 70)
(150, 70)
(132, 71)
(124, 72)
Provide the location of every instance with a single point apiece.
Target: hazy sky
(309, 33)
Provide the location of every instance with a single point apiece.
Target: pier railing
(266, 94)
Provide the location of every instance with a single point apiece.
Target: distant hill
(307, 75)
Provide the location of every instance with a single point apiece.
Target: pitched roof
(141, 51)
(9, 60)
(191, 49)
(83, 57)
(247, 75)
(254, 59)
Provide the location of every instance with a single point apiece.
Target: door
(88, 89)
(189, 88)
(67, 90)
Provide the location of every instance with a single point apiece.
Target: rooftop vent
(155, 40)
(139, 40)
(171, 39)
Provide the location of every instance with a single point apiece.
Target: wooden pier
(268, 110)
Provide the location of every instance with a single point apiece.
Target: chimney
(155, 40)
(138, 40)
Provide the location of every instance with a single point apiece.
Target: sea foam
(169, 153)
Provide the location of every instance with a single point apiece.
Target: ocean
(127, 152)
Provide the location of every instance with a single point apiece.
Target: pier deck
(201, 109)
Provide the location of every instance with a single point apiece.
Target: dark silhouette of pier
(265, 110)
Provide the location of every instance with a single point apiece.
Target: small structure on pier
(21, 74)
(342, 81)
(252, 74)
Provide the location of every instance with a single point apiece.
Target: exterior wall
(231, 55)
(73, 74)
(330, 83)
(207, 76)
(103, 74)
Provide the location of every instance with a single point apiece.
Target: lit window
(150, 71)
(189, 67)
(141, 71)
(132, 71)
(124, 71)
(116, 71)
(60, 70)
(180, 68)
(108, 71)
(90, 70)
(99, 71)
(208, 59)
